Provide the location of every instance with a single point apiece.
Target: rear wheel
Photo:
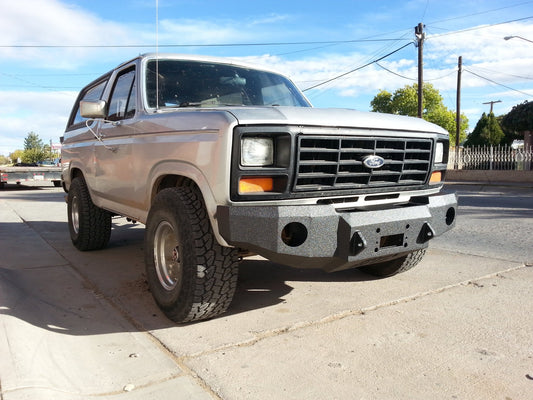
(396, 266)
(89, 225)
(190, 275)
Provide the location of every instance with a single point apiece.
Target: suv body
(222, 159)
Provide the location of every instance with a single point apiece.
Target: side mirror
(93, 108)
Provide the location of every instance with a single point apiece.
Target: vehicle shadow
(79, 293)
(32, 193)
(263, 283)
(29, 186)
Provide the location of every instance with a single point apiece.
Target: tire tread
(94, 223)
(212, 286)
(396, 266)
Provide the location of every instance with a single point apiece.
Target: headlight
(257, 151)
(439, 152)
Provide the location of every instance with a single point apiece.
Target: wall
(463, 175)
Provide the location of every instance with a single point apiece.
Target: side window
(93, 93)
(123, 98)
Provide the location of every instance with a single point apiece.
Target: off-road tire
(190, 275)
(396, 266)
(89, 225)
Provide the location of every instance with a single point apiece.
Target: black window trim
(71, 125)
(119, 74)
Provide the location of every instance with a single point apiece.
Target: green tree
(382, 102)
(34, 149)
(33, 155)
(510, 135)
(517, 121)
(487, 132)
(16, 155)
(404, 101)
(33, 141)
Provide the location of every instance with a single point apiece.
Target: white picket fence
(491, 158)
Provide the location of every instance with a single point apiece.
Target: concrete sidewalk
(83, 325)
(61, 339)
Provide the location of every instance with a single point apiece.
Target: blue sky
(309, 41)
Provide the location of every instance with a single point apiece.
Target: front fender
(185, 170)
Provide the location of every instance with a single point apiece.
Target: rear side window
(93, 93)
(123, 98)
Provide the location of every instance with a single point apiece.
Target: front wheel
(396, 266)
(190, 275)
(89, 225)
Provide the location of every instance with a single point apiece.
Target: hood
(331, 117)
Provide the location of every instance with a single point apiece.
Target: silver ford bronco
(221, 160)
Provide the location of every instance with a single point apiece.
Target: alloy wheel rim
(167, 256)
(75, 215)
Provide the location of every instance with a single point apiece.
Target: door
(113, 155)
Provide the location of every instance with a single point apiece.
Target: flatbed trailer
(20, 175)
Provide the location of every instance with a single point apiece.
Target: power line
(90, 46)
(529, 78)
(358, 68)
(480, 13)
(499, 84)
(32, 84)
(395, 73)
(479, 27)
(414, 79)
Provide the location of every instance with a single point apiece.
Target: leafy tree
(510, 135)
(517, 121)
(382, 102)
(33, 155)
(33, 141)
(487, 132)
(3, 160)
(16, 155)
(404, 101)
(34, 149)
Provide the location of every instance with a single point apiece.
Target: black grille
(326, 163)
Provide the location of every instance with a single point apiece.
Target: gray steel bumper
(318, 236)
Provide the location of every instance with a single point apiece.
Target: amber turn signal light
(256, 184)
(436, 177)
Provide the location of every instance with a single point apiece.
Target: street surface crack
(260, 336)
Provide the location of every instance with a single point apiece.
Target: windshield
(203, 84)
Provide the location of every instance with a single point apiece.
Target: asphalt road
(494, 221)
(83, 325)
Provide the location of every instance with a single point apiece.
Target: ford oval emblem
(373, 162)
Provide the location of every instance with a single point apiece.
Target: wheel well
(76, 172)
(169, 181)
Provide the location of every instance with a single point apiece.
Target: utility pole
(492, 104)
(420, 36)
(458, 112)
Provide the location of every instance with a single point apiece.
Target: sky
(50, 49)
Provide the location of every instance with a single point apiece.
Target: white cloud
(44, 113)
(186, 31)
(52, 23)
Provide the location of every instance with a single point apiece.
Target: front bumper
(319, 236)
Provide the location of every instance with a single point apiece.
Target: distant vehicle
(47, 163)
(221, 160)
(20, 173)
